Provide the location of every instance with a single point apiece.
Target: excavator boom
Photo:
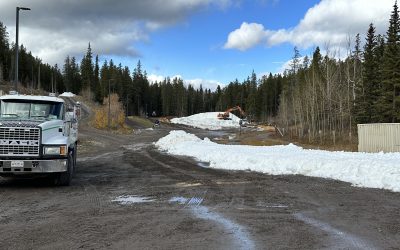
(225, 115)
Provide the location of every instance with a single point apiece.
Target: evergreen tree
(140, 90)
(67, 74)
(4, 52)
(389, 102)
(366, 91)
(76, 83)
(295, 64)
(87, 72)
(191, 93)
(379, 90)
(199, 100)
(251, 108)
(97, 87)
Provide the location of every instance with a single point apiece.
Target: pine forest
(320, 95)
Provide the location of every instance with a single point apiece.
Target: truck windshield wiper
(44, 116)
(15, 115)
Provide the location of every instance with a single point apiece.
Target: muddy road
(128, 195)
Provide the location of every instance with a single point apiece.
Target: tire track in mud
(5, 211)
(94, 200)
(338, 239)
(238, 234)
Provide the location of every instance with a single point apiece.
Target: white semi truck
(38, 136)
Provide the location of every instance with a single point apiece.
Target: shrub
(117, 114)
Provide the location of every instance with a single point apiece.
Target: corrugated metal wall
(379, 137)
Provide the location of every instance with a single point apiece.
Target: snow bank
(372, 170)
(208, 121)
(67, 94)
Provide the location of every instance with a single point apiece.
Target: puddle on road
(131, 199)
(340, 239)
(192, 202)
(186, 184)
(203, 164)
(136, 147)
(141, 130)
(217, 133)
(108, 155)
(180, 200)
(276, 206)
(240, 235)
(271, 205)
(232, 182)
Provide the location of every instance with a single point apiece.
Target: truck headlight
(55, 150)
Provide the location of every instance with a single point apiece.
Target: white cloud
(54, 29)
(206, 84)
(247, 36)
(329, 22)
(155, 78)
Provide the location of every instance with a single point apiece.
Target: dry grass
(267, 128)
(340, 145)
(117, 114)
(266, 142)
(268, 138)
(141, 121)
(165, 119)
(6, 87)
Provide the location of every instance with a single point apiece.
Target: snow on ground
(372, 170)
(131, 199)
(208, 121)
(67, 94)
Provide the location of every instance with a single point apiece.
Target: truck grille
(19, 141)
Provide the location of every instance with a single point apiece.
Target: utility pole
(52, 83)
(38, 85)
(109, 103)
(127, 105)
(32, 81)
(17, 46)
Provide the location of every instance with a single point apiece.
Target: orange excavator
(225, 115)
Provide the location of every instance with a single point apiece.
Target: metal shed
(379, 137)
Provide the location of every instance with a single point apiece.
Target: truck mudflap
(33, 166)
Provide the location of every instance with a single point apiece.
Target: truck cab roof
(31, 98)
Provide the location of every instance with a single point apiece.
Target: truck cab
(38, 136)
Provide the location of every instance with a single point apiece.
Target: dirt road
(176, 203)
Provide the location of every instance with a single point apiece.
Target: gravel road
(128, 195)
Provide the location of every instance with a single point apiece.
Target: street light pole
(17, 46)
(109, 104)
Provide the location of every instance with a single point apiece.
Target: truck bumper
(33, 166)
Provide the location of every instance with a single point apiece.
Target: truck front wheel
(64, 179)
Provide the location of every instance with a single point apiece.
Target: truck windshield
(18, 109)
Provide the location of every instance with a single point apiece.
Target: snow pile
(208, 121)
(67, 94)
(373, 170)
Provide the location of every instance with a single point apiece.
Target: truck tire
(75, 156)
(64, 179)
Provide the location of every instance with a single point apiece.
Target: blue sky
(195, 49)
(206, 42)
